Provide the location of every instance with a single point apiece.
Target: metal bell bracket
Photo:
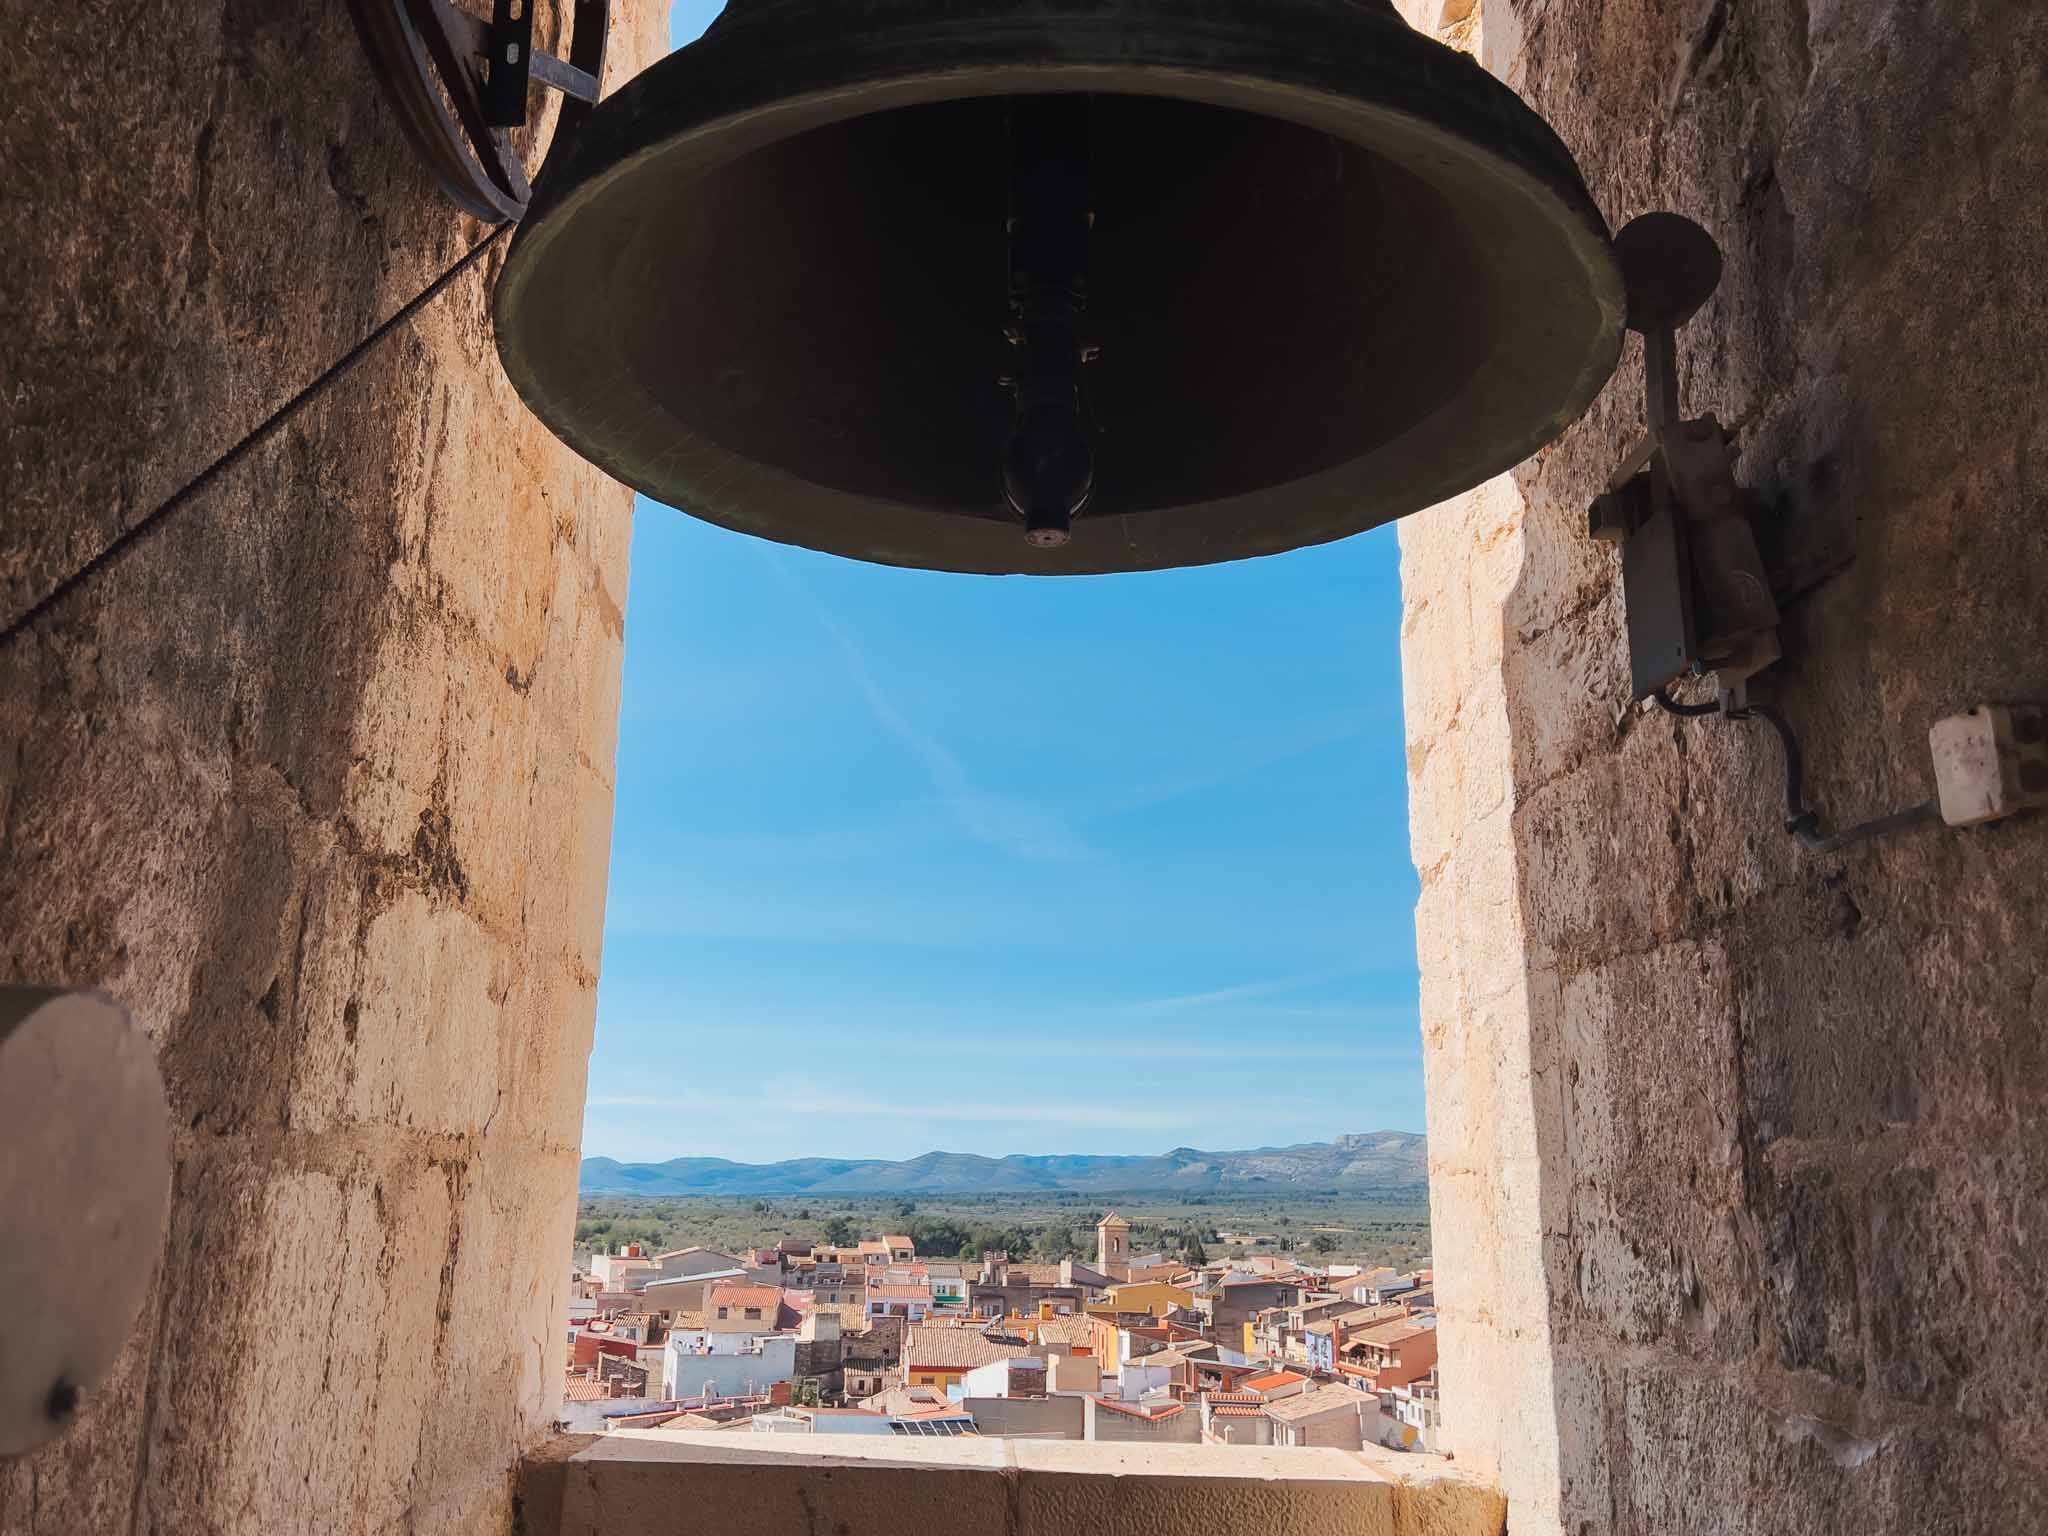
(1697, 595)
(459, 83)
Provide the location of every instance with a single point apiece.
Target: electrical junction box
(1991, 762)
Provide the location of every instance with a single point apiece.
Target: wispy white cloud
(668, 909)
(1248, 1051)
(1018, 827)
(1245, 992)
(1233, 761)
(892, 1019)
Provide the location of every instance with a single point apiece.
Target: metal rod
(1660, 379)
(1802, 822)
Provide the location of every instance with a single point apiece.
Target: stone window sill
(657, 1482)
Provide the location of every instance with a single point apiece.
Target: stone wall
(317, 781)
(1737, 1173)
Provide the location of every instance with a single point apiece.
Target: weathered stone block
(429, 1018)
(233, 764)
(1957, 1229)
(1601, 872)
(1488, 909)
(1792, 1086)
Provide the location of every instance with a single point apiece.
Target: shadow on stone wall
(274, 780)
(1790, 1214)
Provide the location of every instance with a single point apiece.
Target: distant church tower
(1113, 1246)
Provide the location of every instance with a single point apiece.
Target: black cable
(127, 538)
(1802, 822)
(1799, 821)
(1671, 706)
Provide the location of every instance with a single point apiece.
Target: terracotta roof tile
(737, 1297)
(1359, 1317)
(1307, 1405)
(1138, 1411)
(852, 1318)
(1032, 1274)
(1389, 1333)
(1165, 1357)
(1073, 1328)
(1273, 1379)
(955, 1349)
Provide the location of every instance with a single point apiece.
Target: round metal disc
(1669, 268)
(1338, 273)
(84, 1184)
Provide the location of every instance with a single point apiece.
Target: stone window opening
(1734, 1154)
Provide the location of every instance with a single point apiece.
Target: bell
(1059, 286)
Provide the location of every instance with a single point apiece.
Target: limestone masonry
(1736, 1178)
(317, 782)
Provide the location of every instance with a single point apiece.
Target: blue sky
(905, 861)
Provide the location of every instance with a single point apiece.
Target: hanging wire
(152, 520)
(1801, 821)
(1671, 706)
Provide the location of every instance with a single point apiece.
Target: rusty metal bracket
(460, 83)
(1697, 596)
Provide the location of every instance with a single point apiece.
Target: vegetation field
(1326, 1228)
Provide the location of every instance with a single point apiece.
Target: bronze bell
(1059, 286)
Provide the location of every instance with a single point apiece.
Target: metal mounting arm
(1697, 595)
(459, 82)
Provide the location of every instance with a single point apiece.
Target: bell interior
(1269, 300)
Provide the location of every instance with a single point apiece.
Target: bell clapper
(1048, 467)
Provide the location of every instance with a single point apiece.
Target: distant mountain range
(1383, 1162)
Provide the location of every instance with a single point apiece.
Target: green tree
(839, 1232)
(938, 1237)
(1058, 1242)
(1323, 1242)
(1192, 1253)
(1014, 1241)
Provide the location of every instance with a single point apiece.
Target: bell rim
(647, 118)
